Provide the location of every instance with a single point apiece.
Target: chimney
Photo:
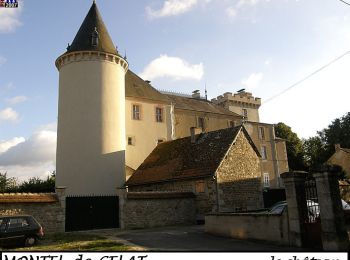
(195, 131)
(196, 94)
(337, 147)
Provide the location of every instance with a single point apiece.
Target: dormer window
(94, 38)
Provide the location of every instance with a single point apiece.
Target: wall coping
(249, 214)
(159, 195)
(294, 174)
(28, 197)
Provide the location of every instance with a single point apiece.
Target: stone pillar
(294, 183)
(122, 195)
(334, 234)
(61, 194)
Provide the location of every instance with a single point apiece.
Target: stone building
(341, 157)
(274, 160)
(221, 167)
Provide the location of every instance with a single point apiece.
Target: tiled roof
(181, 159)
(345, 150)
(137, 87)
(28, 197)
(82, 40)
(199, 105)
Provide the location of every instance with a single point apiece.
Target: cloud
(37, 149)
(7, 144)
(253, 80)
(33, 157)
(2, 60)
(172, 67)
(16, 100)
(172, 8)
(8, 114)
(9, 18)
(231, 11)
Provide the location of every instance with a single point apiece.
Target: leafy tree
(315, 151)
(7, 184)
(294, 146)
(36, 184)
(318, 149)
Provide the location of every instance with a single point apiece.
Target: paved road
(192, 238)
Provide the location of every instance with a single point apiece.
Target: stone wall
(155, 209)
(239, 178)
(266, 227)
(205, 199)
(45, 208)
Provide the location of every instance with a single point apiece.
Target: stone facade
(238, 180)
(341, 157)
(205, 199)
(154, 209)
(233, 185)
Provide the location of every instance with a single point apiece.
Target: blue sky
(261, 45)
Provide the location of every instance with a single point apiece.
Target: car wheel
(30, 241)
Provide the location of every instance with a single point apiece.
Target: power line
(307, 77)
(344, 2)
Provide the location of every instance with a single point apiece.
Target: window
(263, 152)
(200, 187)
(201, 123)
(17, 222)
(131, 140)
(261, 133)
(266, 180)
(231, 123)
(159, 114)
(245, 113)
(136, 115)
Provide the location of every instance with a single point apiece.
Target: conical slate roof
(83, 39)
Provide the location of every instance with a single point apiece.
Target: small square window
(231, 123)
(136, 115)
(201, 123)
(261, 133)
(266, 180)
(159, 114)
(131, 140)
(200, 187)
(245, 113)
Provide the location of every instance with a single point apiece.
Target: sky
(264, 46)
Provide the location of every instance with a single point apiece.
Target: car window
(277, 210)
(17, 222)
(2, 225)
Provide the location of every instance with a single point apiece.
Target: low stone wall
(267, 227)
(45, 208)
(154, 209)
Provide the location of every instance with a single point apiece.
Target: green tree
(7, 184)
(36, 184)
(319, 148)
(294, 146)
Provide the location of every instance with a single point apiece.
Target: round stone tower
(90, 156)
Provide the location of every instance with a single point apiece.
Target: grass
(76, 242)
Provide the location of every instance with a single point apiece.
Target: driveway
(189, 238)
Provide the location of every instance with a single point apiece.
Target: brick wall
(154, 209)
(47, 211)
(239, 178)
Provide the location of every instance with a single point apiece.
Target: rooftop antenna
(205, 91)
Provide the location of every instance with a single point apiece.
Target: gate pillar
(122, 194)
(334, 235)
(294, 183)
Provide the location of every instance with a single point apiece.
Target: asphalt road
(193, 238)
